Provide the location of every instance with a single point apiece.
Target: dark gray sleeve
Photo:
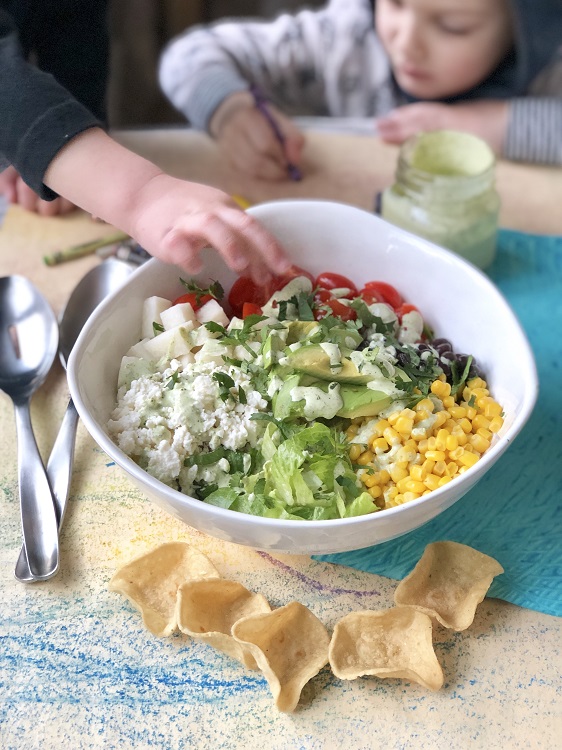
(534, 132)
(38, 117)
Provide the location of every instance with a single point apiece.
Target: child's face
(439, 48)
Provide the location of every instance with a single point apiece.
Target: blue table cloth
(515, 512)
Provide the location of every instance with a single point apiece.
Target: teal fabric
(515, 512)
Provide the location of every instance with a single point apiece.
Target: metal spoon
(28, 344)
(86, 296)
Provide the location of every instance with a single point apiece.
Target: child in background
(490, 67)
(52, 145)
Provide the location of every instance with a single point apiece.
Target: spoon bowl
(28, 344)
(97, 284)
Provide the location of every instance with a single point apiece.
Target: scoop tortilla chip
(151, 582)
(448, 583)
(290, 646)
(393, 643)
(207, 610)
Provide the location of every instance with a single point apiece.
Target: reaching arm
(173, 219)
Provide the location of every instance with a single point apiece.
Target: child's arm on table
(171, 218)
(526, 129)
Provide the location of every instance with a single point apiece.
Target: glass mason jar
(444, 191)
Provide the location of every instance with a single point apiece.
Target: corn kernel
(423, 446)
(440, 418)
(352, 430)
(480, 421)
(354, 452)
(397, 474)
(393, 418)
(455, 454)
(391, 436)
(404, 425)
(476, 383)
(441, 439)
(452, 443)
(440, 468)
(382, 425)
(385, 476)
(369, 480)
(428, 465)
(375, 491)
(426, 404)
(452, 469)
(444, 480)
(435, 455)
(379, 445)
(421, 415)
(457, 412)
(409, 496)
(466, 426)
(365, 458)
(448, 401)
(482, 401)
(468, 459)
(440, 389)
(431, 482)
(496, 424)
(492, 409)
(418, 473)
(479, 443)
(412, 486)
(402, 484)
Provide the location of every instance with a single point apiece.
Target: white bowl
(456, 299)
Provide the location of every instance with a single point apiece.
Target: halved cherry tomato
(386, 291)
(329, 280)
(191, 297)
(405, 308)
(250, 308)
(243, 290)
(338, 308)
(322, 296)
(278, 282)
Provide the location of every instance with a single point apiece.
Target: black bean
(439, 342)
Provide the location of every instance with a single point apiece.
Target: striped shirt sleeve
(534, 132)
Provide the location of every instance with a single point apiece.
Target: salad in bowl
(317, 414)
(304, 399)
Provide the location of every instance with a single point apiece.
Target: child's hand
(248, 141)
(174, 220)
(16, 191)
(486, 119)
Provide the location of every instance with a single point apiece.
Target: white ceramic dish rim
(529, 374)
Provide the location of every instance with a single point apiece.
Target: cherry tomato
(191, 297)
(250, 308)
(338, 309)
(322, 296)
(245, 290)
(405, 308)
(329, 280)
(388, 293)
(278, 282)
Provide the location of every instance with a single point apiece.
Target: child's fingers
(237, 237)
(25, 196)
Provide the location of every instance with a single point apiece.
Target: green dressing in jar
(444, 191)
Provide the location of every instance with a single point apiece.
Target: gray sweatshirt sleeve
(324, 62)
(534, 132)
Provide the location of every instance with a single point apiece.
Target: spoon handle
(59, 472)
(38, 516)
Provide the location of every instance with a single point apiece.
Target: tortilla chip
(448, 583)
(395, 642)
(290, 646)
(150, 582)
(207, 610)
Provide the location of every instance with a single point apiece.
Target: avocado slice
(300, 330)
(283, 404)
(313, 360)
(359, 401)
